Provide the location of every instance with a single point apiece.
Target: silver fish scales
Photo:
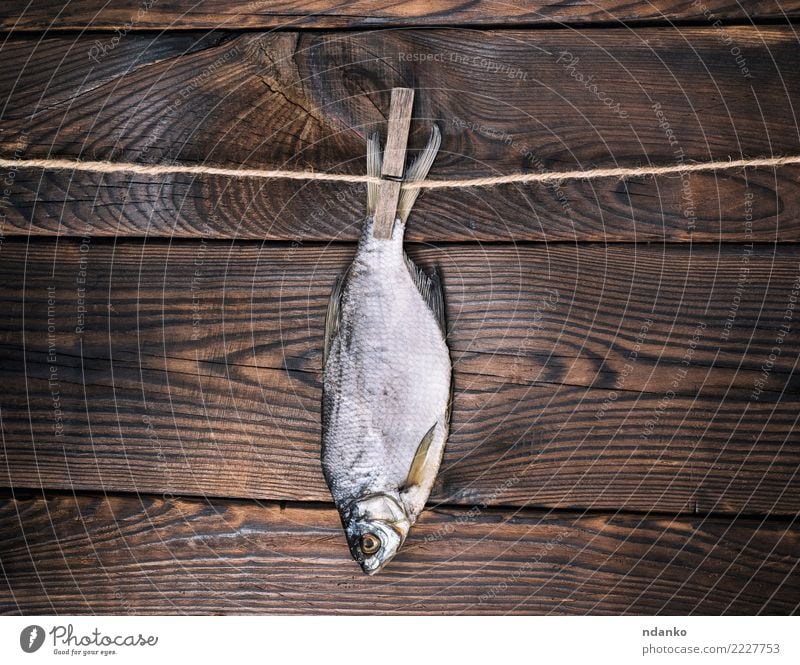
(386, 383)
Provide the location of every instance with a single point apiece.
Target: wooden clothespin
(394, 162)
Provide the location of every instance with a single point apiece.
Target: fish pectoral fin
(430, 288)
(332, 318)
(416, 473)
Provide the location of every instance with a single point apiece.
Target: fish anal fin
(332, 318)
(430, 288)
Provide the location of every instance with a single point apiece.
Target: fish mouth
(370, 568)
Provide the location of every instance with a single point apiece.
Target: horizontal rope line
(490, 181)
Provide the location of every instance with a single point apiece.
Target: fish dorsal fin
(421, 458)
(430, 288)
(332, 319)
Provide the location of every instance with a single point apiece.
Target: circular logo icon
(31, 638)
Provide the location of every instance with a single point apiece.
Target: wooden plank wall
(625, 419)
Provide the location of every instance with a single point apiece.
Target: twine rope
(490, 181)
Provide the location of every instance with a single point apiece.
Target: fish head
(376, 526)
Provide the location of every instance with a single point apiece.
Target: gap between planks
(529, 511)
(504, 243)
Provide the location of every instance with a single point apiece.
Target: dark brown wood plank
(625, 376)
(145, 555)
(506, 101)
(131, 15)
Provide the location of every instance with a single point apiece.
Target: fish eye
(369, 543)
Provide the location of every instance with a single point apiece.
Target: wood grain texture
(218, 14)
(147, 555)
(506, 101)
(608, 377)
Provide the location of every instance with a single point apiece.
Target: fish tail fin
(374, 162)
(416, 172)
